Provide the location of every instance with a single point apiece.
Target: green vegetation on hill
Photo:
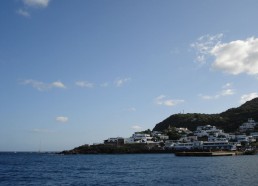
(229, 120)
(115, 149)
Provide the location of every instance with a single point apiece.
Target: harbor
(206, 153)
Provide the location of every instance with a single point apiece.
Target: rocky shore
(113, 149)
(138, 149)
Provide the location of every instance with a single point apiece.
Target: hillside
(228, 120)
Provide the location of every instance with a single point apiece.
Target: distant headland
(234, 130)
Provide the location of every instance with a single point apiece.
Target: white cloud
(62, 119)
(41, 86)
(36, 3)
(226, 91)
(120, 82)
(162, 100)
(136, 127)
(248, 97)
(204, 45)
(58, 84)
(84, 84)
(235, 57)
(32, 4)
(23, 13)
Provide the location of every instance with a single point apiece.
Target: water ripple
(142, 169)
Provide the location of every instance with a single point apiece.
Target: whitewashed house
(254, 134)
(207, 130)
(159, 135)
(115, 141)
(183, 130)
(139, 138)
(188, 139)
(242, 138)
(247, 126)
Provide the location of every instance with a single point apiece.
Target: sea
(128, 169)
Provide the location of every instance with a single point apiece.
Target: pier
(205, 153)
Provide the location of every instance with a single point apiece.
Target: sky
(78, 72)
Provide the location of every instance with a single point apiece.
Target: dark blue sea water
(138, 169)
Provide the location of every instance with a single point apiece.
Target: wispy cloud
(36, 130)
(36, 84)
(30, 4)
(204, 45)
(131, 109)
(227, 90)
(41, 86)
(84, 84)
(121, 81)
(235, 57)
(163, 100)
(227, 85)
(106, 84)
(23, 13)
(206, 97)
(62, 119)
(36, 3)
(247, 97)
(136, 127)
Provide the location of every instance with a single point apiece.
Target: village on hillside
(206, 137)
(206, 140)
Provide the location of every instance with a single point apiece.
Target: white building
(183, 130)
(159, 135)
(170, 143)
(188, 139)
(242, 138)
(219, 137)
(139, 138)
(232, 137)
(254, 134)
(207, 130)
(115, 141)
(247, 126)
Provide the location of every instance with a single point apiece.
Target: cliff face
(229, 120)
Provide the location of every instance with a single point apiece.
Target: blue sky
(78, 72)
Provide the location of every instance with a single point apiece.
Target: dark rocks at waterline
(112, 149)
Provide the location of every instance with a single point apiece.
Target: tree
(148, 131)
(173, 134)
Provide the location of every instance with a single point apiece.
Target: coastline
(145, 149)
